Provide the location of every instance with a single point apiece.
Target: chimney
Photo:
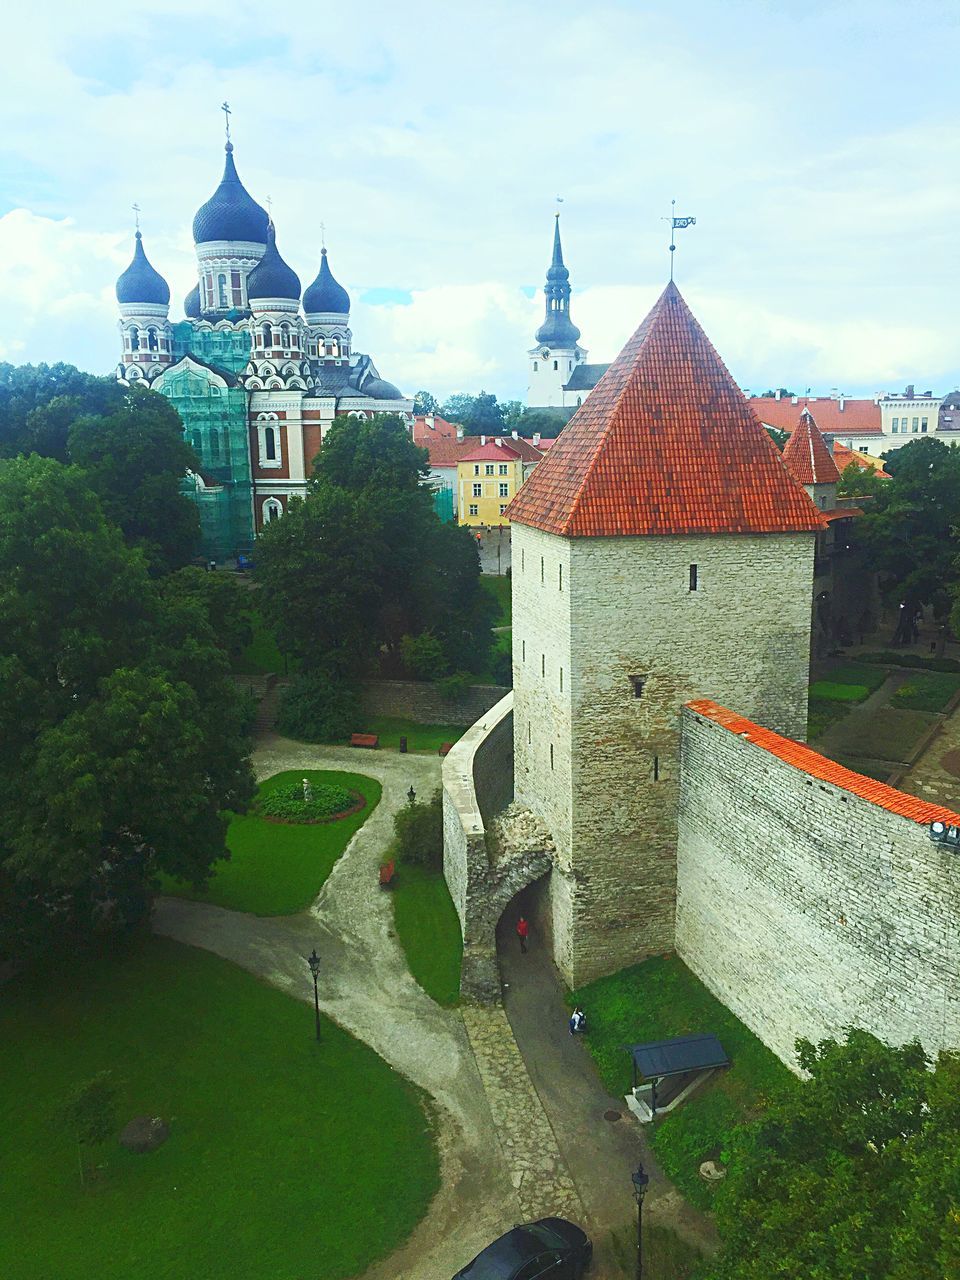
(459, 431)
(483, 440)
(514, 434)
(498, 442)
(908, 391)
(778, 393)
(842, 403)
(794, 400)
(928, 393)
(431, 422)
(536, 439)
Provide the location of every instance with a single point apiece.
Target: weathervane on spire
(323, 235)
(269, 203)
(136, 214)
(225, 108)
(559, 202)
(676, 223)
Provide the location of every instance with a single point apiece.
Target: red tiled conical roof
(666, 444)
(806, 456)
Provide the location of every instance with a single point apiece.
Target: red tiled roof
(547, 443)
(806, 456)
(856, 418)
(506, 451)
(843, 456)
(818, 766)
(441, 428)
(445, 452)
(665, 444)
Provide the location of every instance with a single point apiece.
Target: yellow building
(488, 477)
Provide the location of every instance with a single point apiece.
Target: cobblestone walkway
(539, 1175)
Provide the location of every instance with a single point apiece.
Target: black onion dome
(378, 389)
(231, 213)
(271, 277)
(141, 282)
(191, 303)
(558, 330)
(325, 294)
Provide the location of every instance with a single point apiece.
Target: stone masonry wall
(422, 702)
(806, 908)
(601, 766)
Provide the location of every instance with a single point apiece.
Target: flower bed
(325, 804)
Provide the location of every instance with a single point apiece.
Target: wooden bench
(364, 740)
(445, 748)
(387, 871)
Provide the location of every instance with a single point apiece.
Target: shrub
(423, 656)
(289, 802)
(454, 687)
(927, 691)
(316, 708)
(418, 834)
(890, 658)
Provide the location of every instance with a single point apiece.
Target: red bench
(364, 740)
(387, 871)
(445, 748)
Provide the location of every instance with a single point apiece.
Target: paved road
(491, 540)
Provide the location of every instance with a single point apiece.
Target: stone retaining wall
(422, 701)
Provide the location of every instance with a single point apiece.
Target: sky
(817, 145)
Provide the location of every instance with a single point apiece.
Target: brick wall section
(422, 702)
(625, 608)
(807, 908)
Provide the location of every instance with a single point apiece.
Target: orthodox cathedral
(256, 382)
(559, 376)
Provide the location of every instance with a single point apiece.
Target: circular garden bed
(326, 803)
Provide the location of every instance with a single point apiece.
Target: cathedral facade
(256, 371)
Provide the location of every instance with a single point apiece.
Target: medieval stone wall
(592, 619)
(422, 701)
(806, 908)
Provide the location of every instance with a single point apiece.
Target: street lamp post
(313, 960)
(640, 1180)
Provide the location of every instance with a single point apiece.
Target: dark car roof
(501, 1258)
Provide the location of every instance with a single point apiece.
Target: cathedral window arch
(134, 339)
(152, 344)
(223, 297)
(267, 335)
(269, 440)
(272, 510)
(197, 441)
(536, 365)
(215, 444)
(285, 335)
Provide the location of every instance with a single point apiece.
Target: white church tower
(558, 352)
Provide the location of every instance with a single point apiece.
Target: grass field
(420, 737)
(429, 931)
(501, 590)
(262, 656)
(927, 691)
(275, 868)
(654, 1001)
(831, 691)
(821, 714)
(885, 734)
(286, 1158)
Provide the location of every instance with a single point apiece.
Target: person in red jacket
(522, 930)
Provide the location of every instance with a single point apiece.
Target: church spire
(557, 330)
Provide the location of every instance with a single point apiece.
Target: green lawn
(429, 931)
(420, 737)
(658, 999)
(885, 734)
(287, 1158)
(927, 691)
(501, 590)
(831, 691)
(262, 656)
(821, 714)
(857, 673)
(275, 868)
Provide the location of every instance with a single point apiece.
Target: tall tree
(458, 407)
(27, 390)
(121, 733)
(424, 402)
(853, 1175)
(135, 459)
(485, 416)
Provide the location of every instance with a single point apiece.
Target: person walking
(578, 1021)
(523, 929)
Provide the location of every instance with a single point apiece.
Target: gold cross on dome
(136, 214)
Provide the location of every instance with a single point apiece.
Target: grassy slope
(500, 589)
(277, 868)
(283, 1153)
(654, 1001)
(420, 737)
(429, 931)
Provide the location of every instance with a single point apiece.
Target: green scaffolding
(213, 407)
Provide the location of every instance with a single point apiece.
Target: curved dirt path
(366, 987)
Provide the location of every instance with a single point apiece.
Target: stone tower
(558, 350)
(809, 460)
(661, 552)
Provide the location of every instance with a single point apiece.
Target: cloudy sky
(818, 146)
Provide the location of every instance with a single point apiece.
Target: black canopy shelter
(681, 1059)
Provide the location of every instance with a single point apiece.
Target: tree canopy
(364, 562)
(910, 528)
(122, 735)
(852, 1175)
(424, 402)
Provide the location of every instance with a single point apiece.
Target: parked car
(552, 1247)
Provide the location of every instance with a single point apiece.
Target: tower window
(523, 650)
(551, 755)
(656, 768)
(223, 297)
(152, 339)
(134, 339)
(528, 733)
(693, 577)
(543, 664)
(197, 442)
(541, 571)
(523, 559)
(267, 335)
(560, 577)
(536, 366)
(561, 679)
(270, 444)
(556, 364)
(638, 682)
(215, 445)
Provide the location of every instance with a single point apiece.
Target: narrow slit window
(523, 646)
(543, 664)
(656, 768)
(561, 679)
(560, 576)
(551, 755)
(528, 734)
(638, 683)
(541, 571)
(693, 577)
